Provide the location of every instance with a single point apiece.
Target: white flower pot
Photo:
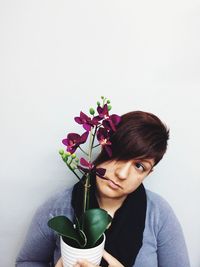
(70, 255)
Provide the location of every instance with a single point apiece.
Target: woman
(144, 231)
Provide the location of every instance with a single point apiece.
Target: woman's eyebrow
(144, 160)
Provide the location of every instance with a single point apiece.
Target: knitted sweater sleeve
(40, 242)
(171, 246)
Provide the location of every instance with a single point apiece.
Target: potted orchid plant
(87, 231)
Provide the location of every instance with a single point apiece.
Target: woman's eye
(139, 166)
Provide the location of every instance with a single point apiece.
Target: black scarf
(124, 236)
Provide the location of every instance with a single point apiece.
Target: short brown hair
(139, 135)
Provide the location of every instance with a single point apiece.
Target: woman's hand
(112, 262)
(59, 263)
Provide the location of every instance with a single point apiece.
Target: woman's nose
(122, 170)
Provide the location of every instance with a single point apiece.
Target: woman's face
(122, 177)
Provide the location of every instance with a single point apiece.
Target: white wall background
(58, 57)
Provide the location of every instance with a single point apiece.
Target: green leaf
(95, 222)
(63, 226)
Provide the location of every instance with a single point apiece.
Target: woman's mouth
(112, 184)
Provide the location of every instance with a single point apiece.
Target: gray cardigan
(163, 240)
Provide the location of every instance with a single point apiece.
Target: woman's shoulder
(161, 216)
(60, 198)
(59, 203)
(158, 207)
(156, 199)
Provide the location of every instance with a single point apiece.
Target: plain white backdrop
(59, 57)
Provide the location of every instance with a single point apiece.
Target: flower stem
(86, 193)
(73, 171)
(90, 146)
(87, 182)
(83, 151)
(93, 137)
(96, 146)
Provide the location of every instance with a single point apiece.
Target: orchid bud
(73, 156)
(109, 107)
(108, 101)
(98, 103)
(92, 111)
(102, 97)
(64, 157)
(76, 159)
(61, 151)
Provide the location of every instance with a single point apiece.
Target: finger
(108, 257)
(59, 263)
(85, 263)
(111, 260)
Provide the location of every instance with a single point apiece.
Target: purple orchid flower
(73, 140)
(103, 136)
(109, 121)
(91, 168)
(86, 121)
